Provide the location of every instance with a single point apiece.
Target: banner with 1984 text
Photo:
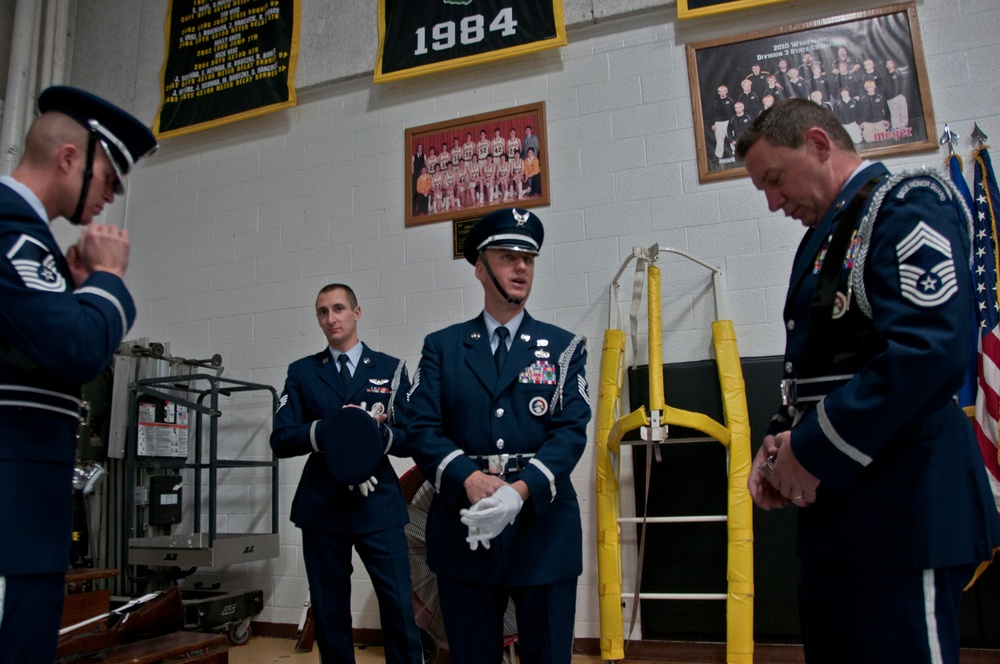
(436, 35)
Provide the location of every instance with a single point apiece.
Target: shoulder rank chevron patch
(926, 267)
(36, 265)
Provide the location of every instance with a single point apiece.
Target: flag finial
(950, 137)
(978, 137)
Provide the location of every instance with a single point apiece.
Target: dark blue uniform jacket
(314, 391)
(902, 480)
(53, 339)
(538, 406)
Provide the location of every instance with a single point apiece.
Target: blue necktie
(345, 373)
(500, 356)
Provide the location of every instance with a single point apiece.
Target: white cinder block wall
(234, 230)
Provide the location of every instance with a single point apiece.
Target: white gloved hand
(368, 486)
(492, 514)
(476, 538)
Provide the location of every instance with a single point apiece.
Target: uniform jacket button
(499, 412)
(500, 443)
(788, 367)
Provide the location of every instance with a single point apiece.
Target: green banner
(226, 60)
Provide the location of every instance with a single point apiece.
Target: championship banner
(416, 38)
(226, 60)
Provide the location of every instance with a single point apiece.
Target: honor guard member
(61, 320)
(349, 494)
(894, 509)
(498, 420)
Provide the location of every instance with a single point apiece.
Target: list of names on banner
(222, 41)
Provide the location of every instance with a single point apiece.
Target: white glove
(368, 486)
(476, 538)
(492, 514)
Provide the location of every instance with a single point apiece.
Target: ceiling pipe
(60, 42)
(33, 63)
(48, 39)
(14, 118)
(35, 56)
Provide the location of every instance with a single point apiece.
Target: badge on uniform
(839, 305)
(539, 373)
(377, 386)
(818, 263)
(852, 251)
(926, 267)
(36, 265)
(538, 406)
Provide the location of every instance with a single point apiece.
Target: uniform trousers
(854, 131)
(870, 129)
(473, 620)
(30, 614)
(721, 131)
(328, 566)
(878, 616)
(899, 116)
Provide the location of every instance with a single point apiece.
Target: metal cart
(200, 394)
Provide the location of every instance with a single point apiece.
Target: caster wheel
(430, 646)
(240, 633)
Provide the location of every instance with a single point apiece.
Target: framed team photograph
(867, 67)
(696, 8)
(465, 167)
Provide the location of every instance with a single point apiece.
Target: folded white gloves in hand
(476, 538)
(492, 514)
(368, 486)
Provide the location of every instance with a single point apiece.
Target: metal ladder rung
(670, 441)
(674, 519)
(680, 596)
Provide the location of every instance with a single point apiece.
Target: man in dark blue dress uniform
(61, 320)
(894, 508)
(335, 516)
(498, 420)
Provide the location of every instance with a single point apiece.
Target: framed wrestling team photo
(698, 8)
(465, 167)
(867, 67)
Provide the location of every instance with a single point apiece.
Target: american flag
(984, 250)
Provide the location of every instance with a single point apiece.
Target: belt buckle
(788, 392)
(498, 464)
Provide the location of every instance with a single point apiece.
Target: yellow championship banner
(416, 38)
(226, 60)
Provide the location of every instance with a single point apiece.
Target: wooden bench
(82, 603)
(189, 647)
